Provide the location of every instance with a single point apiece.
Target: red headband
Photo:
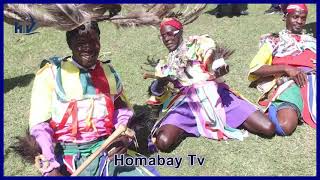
(296, 7)
(172, 22)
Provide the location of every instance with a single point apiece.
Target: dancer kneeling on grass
(77, 102)
(198, 103)
(284, 71)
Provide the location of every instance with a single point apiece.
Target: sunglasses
(169, 34)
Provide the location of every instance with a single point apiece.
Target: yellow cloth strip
(71, 81)
(88, 119)
(263, 57)
(125, 99)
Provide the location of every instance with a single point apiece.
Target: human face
(171, 37)
(85, 48)
(296, 21)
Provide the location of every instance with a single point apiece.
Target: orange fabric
(67, 115)
(74, 120)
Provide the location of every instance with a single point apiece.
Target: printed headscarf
(291, 8)
(171, 22)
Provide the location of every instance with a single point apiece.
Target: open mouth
(298, 28)
(88, 54)
(170, 44)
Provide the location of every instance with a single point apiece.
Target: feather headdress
(70, 16)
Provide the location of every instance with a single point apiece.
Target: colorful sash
(90, 115)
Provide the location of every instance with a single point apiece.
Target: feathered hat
(67, 17)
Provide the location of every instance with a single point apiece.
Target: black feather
(27, 147)
(222, 52)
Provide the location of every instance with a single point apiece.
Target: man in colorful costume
(284, 71)
(77, 102)
(196, 102)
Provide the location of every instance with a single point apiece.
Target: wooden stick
(121, 129)
(148, 75)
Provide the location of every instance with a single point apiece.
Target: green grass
(128, 49)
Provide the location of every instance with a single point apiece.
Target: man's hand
(221, 71)
(157, 87)
(118, 146)
(163, 81)
(297, 75)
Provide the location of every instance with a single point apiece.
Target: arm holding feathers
(214, 56)
(43, 135)
(40, 112)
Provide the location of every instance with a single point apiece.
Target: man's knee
(169, 137)
(163, 142)
(268, 128)
(261, 124)
(288, 125)
(285, 119)
(288, 120)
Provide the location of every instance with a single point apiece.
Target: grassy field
(128, 49)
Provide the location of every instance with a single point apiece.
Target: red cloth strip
(303, 59)
(67, 114)
(110, 109)
(291, 8)
(74, 120)
(99, 80)
(305, 111)
(172, 22)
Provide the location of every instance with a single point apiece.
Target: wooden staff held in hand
(121, 130)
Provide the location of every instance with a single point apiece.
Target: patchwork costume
(74, 107)
(193, 101)
(279, 91)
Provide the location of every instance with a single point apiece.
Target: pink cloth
(43, 134)
(121, 116)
